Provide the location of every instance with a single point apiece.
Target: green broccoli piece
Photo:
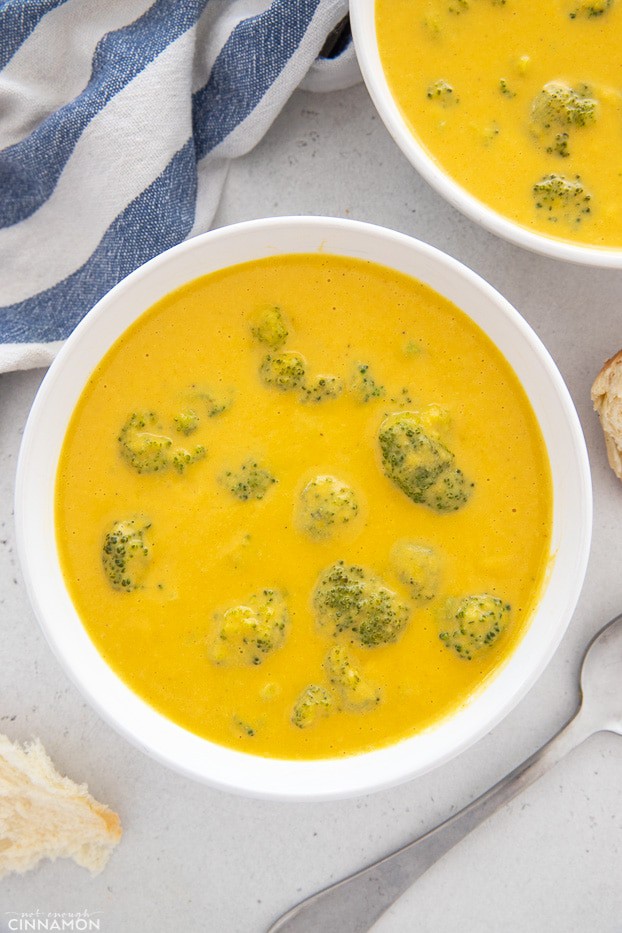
(412, 456)
(441, 92)
(505, 88)
(314, 703)
(419, 464)
(355, 692)
(562, 199)
(269, 327)
(363, 385)
(473, 623)
(589, 8)
(325, 505)
(412, 348)
(186, 422)
(320, 388)
(243, 728)
(350, 599)
(246, 634)
(284, 372)
(147, 451)
(215, 401)
(557, 110)
(449, 491)
(142, 446)
(250, 481)
(403, 398)
(559, 146)
(430, 22)
(183, 458)
(418, 567)
(126, 554)
(490, 133)
(559, 105)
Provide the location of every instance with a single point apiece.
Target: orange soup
(304, 507)
(520, 103)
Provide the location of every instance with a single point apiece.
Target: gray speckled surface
(193, 859)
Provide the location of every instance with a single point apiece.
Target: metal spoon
(354, 904)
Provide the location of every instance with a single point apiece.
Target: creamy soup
(304, 507)
(520, 103)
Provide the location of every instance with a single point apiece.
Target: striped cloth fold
(117, 123)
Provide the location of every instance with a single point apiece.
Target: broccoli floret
(285, 371)
(320, 388)
(183, 458)
(126, 554)
(449, 491)
(562, 199)
(490, 133)
(363, 385)
(243, 728)
(473, 623)
(248, 633)
(411, 456)
(142, 446)
(403, 398)
(325, 505)
(412, 348)
(589, 8)
(559, 145)
(441, 92)
(506, 90)
(350, 599)
(559, 105)
(418, 567)
(431, 23)
(419, 464)
(269, 327)
(557, 110)
(250, 481)
(186, 422)
(215, 401)
(148, 451)
(354, 691)
(314, 703)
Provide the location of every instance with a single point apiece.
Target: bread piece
(45, 815)
(607, 399)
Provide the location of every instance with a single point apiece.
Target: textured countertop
(194, 859)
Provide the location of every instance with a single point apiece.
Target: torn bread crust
(45, 815)
(607, 399)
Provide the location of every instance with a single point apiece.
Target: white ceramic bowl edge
(34, 510)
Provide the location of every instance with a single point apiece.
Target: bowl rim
(126, 712)
(362, 17)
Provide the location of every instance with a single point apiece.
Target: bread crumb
(45, 815)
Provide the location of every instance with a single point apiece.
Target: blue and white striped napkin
(117, 122)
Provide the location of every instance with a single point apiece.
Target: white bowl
(362, 15)
(34, 509)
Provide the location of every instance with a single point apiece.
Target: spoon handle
(354, 904)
